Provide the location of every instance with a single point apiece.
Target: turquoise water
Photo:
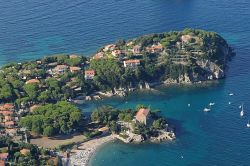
(32, 29)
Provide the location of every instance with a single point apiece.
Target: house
(99, 55)
(8, 106)
(7, 112)
(131, 63)
(104, 130)
(8, 118)
(136, 49)
(2, 163)
(11, 132)
(73, 56)
(186, 38)
(60, 69)
(74, 69)
(89, 74)
(143, 115)
(25, 151)
(155, 48)
(32, 81)
(9, 124)
(117, 53)
(109, 47)
(33, 107)
(4, 156)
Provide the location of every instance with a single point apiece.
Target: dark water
(31, 29)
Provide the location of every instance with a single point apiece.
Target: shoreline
(82, 155)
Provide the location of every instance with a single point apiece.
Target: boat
(207, 109)
(211, 104)
(242, 111)
(229, 102)
(189, 105)
(240, 107)
(248, 124)
(230, 94)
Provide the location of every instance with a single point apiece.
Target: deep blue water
(30, 29)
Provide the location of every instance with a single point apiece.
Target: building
(155, 48)
(99, 55)
(25, 152)
(73, 56)
(8, 118)
(60, 69)
(109, 47)
(136, 49)
(4, 156)
(89, 74)
(6, 113)
(143, 115)
(74, 69)
(32, 81)
(8, 106)
(104, 130)
(9, 124)
(131, 63)
(117, 53)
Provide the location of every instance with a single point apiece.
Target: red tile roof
(132, 61)
(32, 81)
(74, 68)
(89, 72)
(4, 155)
(8, 106)
(142, 112)
(6, 112)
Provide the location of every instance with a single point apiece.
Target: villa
(143, 116)
(117, 53)
(74, 69)
(89, 74)
(73, 56)
(60, 69)
(131, 63)
(136, 49)
(99, 55)
(109, 47)
(32, 81)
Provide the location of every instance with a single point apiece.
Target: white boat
(248, 124)
(240, 107)
(189, 105)
(242, 111)
(230, 94)
(207, 109)
(229, 102)
(211, 104)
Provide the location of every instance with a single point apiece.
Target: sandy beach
(82, 155)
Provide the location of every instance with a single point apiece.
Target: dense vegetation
(52, 119)
(34, 156)
(107, 115)
(176, 59)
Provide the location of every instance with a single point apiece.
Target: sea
(31, 29)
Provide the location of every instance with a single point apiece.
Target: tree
(48, 131)
(31, 90)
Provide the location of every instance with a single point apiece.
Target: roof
(89, 72)
(24, 151)
(6, 118)
(58, 67)
(9, 123)
(32, 81)
(8, 106)
(132, 61)
(6, 112)
(73, 56)
(103, 129)
(33, 107)
(4, 155)
(142, 112)
(2, 163)
(75, 68)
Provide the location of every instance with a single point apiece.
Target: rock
(88, 98)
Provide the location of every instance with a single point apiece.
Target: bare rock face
(137, 138)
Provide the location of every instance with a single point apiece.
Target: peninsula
(36, 97)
